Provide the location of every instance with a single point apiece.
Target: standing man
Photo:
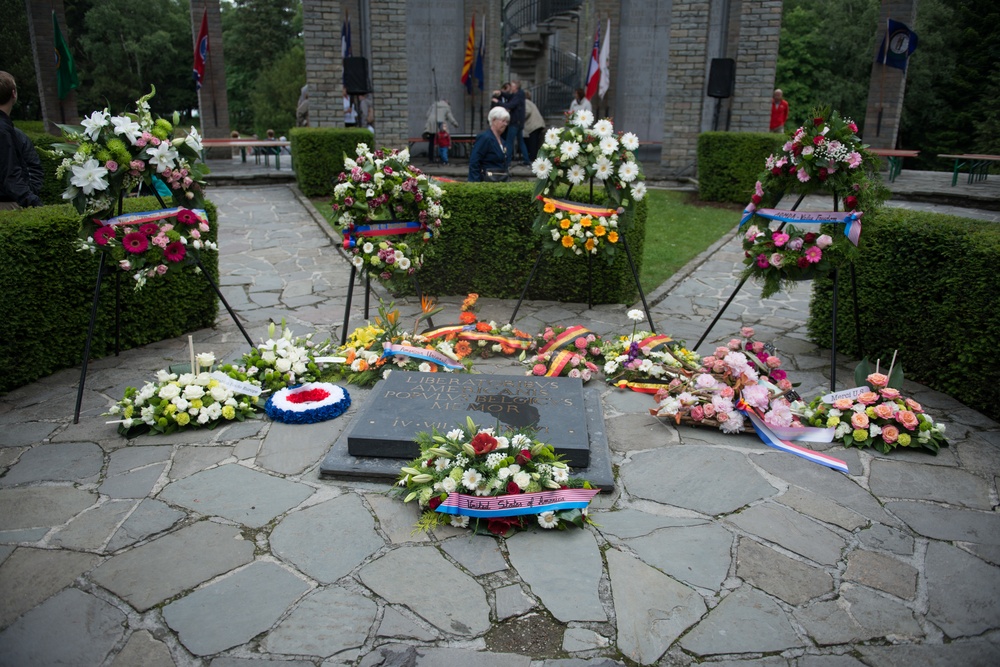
(534, 125)
(515, 131)
(779, 112)
(15, 186)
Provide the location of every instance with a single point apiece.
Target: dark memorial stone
(407, 403)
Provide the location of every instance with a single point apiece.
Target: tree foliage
(276, 93)
(16, 58)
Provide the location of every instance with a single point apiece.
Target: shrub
(319, 155)
(49, 290)
(52, 187)
(730, 162)
(927, 287)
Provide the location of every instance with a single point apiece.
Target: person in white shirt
(580, 102)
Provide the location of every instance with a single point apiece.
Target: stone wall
(389, 72)
(322, 20)
(756, 59)
(213, 103)
(685, 88)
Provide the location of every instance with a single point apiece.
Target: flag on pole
(470, 55)
(605, 69)
(594, 72)
(897, 45)
(201, 51)
(66, 79)
(481, 57)
(345, 38)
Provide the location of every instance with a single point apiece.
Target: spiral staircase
(531, 30)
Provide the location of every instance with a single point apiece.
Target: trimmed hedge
(48, 291)
(319, 155)
(488, 246)
(729, 163)
(927, 286)
(52, 187)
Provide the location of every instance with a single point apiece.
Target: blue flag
(897, 45)
(481, 57)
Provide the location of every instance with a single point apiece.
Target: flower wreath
(824, 154)
(308, 403)
(644, 361)
(584, 151)
(108, 156)
(472, 463)
(381, 202)
(149, 243)
(567, 351)
(282, 360)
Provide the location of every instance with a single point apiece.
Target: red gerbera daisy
(149, 229)
(174, 252)
(187, 217)
(103, 234)
(136, 242)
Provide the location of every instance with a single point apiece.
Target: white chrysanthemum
(603, 169)
(638, 191)
(95, 123)
(460, 522)
(569, 149)
(630, 141)
(548, 520)
(560, 475)
(89, 176)
(609, 145)
(636, 315)
(628, 172)
(583, 118)
(471, 479)
(552, 136)
(604, 128)
(541, 168)
(576, 174)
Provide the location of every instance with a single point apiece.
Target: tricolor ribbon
(578, 207)
(355, 232)
(655, 342)
(152, 216)
(446, 331)
(851, 221)
(560, 341)
(517, 504)
(648, 387)
(778, 438)
(468, 332)
(392, 349)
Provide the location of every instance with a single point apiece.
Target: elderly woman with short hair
(489, 161)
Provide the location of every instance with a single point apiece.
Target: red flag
(201, 51)
(594, 73)
(470, 56)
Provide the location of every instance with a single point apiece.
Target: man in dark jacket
(15, 183)
(515, 132)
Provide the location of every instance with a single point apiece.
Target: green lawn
(676, 231)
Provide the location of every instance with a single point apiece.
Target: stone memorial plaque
(407, 403)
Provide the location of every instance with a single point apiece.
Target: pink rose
(773, 362)
(843, 404)
(580, 343)
(883, 411)
(746, 332)
(889, 393)
(868, 398)
(890, 434)
(783, 384)
(795, 244)
(824, 241)
(913, 405)
(852, 127)
(709, 410)
(697, 413)
(757, 347)
(539, 369)
(776, 260)
(727, 392)
(779, 238)
(907, 419)
(859, 420)
(161, 269)
(734, 344)
(548, 335)
(878, 380)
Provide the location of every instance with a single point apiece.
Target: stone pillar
(756, 60)
(888, 84)
(389, 72)
(54, 110)
(685, 90)
(213, 103)
(321, 23)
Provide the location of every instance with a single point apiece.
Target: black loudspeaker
(722, 77)
(356, 76)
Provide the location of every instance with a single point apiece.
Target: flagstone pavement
(227, 548)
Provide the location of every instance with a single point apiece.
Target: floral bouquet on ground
(388, 212)
(875, 414)
(481, 338)
(111, 155)
(281, 361)
(574, 352)
(583, 152)
(492, 482)
(371, 352)
(743, 374)
(643, 361)
(824, 154)
(188, 400)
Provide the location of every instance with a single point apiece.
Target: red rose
(852, 127)
(822, 174)
(513, 489)
(797, 149)
(523, 457)
(776, 171)
(850, 202)
(810, 237)
(756, 199)
(818, 139)
(434, 502)
(484, 443)
(817, 121)
(502, 525)
(802, 262)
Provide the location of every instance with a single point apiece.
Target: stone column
(685, 93)
(54, 110)
(213, 103)
(322, 20)
(389, 72)
(888, 84)
(756, 60)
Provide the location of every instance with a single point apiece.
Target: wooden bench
(894, 156)
(267, 148)
(979, 165)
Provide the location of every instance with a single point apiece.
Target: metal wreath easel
(590, 269)
(101, 271)
(833, 334)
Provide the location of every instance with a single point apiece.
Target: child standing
(443, 141)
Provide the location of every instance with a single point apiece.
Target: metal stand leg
(590, 281)
(857, 313)
(833, 334)
(225, 303)
(368, 293)
(90, 338)
(118, 313)
(347, 308)
(525, 290)
(638, 286)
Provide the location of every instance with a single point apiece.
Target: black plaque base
(341, 464)
(407, 403)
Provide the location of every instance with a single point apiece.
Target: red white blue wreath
(308, 403)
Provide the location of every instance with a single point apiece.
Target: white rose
(193, 391)
(169, 391)
(283, 365)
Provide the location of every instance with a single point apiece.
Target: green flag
(66, 79)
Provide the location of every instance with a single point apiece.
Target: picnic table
(979, 165)
(894, 156)
(267, 148)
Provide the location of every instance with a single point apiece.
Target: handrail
(516, 15)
